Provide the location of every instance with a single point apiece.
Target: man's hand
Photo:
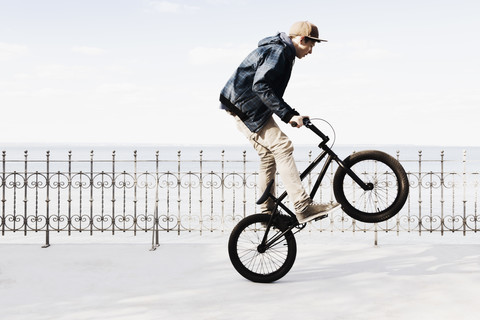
(297, 121)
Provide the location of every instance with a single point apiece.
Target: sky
(150, 71)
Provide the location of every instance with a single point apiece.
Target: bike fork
(354, 176)
(268, 243)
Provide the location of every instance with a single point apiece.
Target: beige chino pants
(276, 153)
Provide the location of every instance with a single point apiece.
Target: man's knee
(284, 147)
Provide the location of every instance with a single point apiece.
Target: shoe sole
(320, 215)
(320, 218)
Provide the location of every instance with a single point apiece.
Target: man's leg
(267, 169)
(271, 138)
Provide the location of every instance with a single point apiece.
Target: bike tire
(390, 186)
(254, 265)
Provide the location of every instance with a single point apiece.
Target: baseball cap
(305, 29)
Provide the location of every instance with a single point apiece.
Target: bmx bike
(371, 186)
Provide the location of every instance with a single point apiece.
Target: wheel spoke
(384, 189)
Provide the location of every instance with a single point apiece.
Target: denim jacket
(255, 90)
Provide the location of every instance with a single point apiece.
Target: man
(254, 93)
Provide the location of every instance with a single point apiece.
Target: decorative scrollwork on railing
(124, 180)
(14, 181)
(13, 222)
(124, 222)
(102, 181)
(408, 222)
(145, 222)
(36, 181)
(59, 180)
(431, 223)
(36, 222)
(472, 222)
(453, 222)
(168, 222)
(81, 180)
(102, 222)
(59, 222)
(341, 221)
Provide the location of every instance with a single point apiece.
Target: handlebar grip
(306, 122)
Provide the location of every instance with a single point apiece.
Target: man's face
(304, 47)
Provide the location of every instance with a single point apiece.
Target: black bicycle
(371, 186)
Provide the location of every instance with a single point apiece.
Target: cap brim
(316, 39)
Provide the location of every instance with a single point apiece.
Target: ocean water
(219, 157)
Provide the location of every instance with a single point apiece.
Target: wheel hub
(262, 248)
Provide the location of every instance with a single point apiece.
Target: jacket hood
(282, 39)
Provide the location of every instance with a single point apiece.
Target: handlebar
(307, 123)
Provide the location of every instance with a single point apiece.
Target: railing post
(155, 235)
(113, 192)
(442, 198)
(244, 183)
(223, 191)
(201, 191)
(69, 192)
(157, 200)
(47, 222)
(475, 204)
(4, 154)
(464, 192)
(398, 216)
(420, 192)
(135, 199)
(25, 193)
(91, 192)
(430, 187)
(179, 188)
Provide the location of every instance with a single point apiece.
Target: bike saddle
(266, 193)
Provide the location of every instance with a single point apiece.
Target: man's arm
(269, 71)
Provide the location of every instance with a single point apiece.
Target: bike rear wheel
(384, 173)
(259, 264)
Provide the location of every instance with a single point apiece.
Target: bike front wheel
(382, 172)
(252, 259)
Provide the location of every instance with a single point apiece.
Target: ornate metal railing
(138, 195)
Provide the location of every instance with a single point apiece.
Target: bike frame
(332, 156)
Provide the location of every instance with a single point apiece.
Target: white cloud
(171, 7)
(90, 51)
(209, 56)
(9, 51)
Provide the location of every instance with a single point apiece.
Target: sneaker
(314, 211)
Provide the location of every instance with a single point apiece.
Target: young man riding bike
(254, 93)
